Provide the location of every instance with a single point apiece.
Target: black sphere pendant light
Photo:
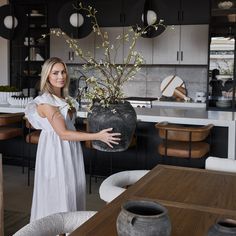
(149, 17)
(11, 22)
(74, 22)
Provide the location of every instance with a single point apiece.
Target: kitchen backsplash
(147, 82)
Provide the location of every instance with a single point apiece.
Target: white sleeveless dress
(59, 184)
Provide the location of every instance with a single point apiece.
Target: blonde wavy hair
(45, 85)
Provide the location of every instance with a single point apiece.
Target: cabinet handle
(122, 18)
(182, 56)
(177, 56)
(71, 56)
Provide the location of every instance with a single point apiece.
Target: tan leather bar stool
(7, 131)
(32, 137)
(183, 141)
(11, 127)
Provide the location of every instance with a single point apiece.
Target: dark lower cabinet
(146, 155)
(143, 156)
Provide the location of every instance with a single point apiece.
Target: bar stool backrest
(10, 118)
(175, 132)
(184, 141)
(10, 125)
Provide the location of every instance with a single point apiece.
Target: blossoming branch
(106, 86)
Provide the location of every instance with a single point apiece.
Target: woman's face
(57, 76)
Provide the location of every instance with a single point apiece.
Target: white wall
(4, 57)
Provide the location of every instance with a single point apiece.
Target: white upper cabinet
(59, 48)
(182, 44)
(116, 46)
(166, 46)
(194, 44)
(87, 46)
(143, 46)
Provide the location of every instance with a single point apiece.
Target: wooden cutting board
(174, 86)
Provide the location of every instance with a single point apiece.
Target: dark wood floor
(18, 196)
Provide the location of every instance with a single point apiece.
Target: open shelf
(29, 50)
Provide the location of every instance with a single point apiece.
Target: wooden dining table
(195, 199)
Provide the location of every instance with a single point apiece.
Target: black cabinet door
(168, 10)
(186, 12)
(108, 12)
(114, 13)
(195, 12)
(132, 11)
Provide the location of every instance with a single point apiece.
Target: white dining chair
(55, 224)
(116, 183)
(220, 164)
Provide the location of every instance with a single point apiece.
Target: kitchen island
(179, 115)
(188, 116)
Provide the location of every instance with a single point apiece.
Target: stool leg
(23, 157)
(111, 170)
(90, 174)
(28, 171)
(23, 166)
(93, 155)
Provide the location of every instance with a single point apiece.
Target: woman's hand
(109, 138)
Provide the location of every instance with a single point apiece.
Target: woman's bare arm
(57, 121)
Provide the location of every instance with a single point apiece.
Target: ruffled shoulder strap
(47, 98)
(31, 112)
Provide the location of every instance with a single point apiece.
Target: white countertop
(179, 104)
(182, 115)
(157, 114)
(196, 116)
(6, 108)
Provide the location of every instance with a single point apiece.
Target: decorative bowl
(225, 4)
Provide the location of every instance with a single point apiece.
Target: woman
(59, 184)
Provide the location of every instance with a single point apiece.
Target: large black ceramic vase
(121, 117)
(223, 227)
(143, 218)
